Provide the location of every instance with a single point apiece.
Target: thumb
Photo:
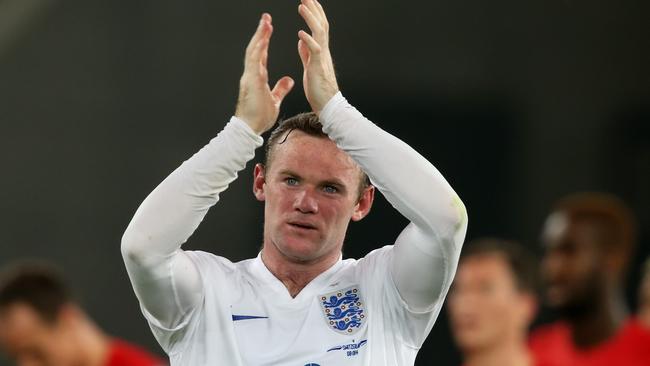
(282, 88)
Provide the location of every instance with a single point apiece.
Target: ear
(365, 203)
(259, 181)
(530, 307)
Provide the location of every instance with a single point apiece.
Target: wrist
(323, 100)
(245, 126)
(250, 122)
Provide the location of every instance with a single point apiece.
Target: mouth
(555, 293)
(465, 322)
(302, 225)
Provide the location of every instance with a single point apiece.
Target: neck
(296, 274)
(504, 354)
(600, 322)
(93, 344)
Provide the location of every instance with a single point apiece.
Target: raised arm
(426, 252)
(165, 280)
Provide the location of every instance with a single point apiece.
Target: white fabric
(193, 301)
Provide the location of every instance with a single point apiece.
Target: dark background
(516, 102)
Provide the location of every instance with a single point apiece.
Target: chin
(299, 250)
(556, 299)
(470, 342)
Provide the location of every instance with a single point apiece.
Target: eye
(330, 189)
(291, 181)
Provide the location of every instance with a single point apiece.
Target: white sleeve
(165, 280)
(427, 250)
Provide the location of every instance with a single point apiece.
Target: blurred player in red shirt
(40, 325)
(492, 303)
(589, 238)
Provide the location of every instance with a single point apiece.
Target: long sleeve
(429, 247)
(163, 277)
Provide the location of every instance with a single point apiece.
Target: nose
(305, 202)
(552, 266)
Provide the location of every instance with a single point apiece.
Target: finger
(311, 5)
(264, 49)
(259, 32)
(259, 52)
(282, 88)
(263, 71)
(254, 57)
(311, 20)
(314, 47)
(256, 36)
(303, 51)
(321, 11)
(264, 56)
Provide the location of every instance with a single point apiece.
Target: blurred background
(517, 103)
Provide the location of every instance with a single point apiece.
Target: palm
(259, 105)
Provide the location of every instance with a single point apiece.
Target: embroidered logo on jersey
(344, 310)
(351, 349)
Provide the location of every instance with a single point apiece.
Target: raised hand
(259, 105)
(319, 79)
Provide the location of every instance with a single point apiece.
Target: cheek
(56, 349)
(477, 317)
(493, 307)
(277, 201)
(460, 301)
(341, 209)
(581, 271)
(552, 263)
(337, 217)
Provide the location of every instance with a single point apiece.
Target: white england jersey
(206, 311)
(351, 314)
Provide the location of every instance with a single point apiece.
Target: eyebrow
(330, 182)
(289, 172)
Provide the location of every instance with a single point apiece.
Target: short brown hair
(307, 123)
(38, 285)
(519, 260)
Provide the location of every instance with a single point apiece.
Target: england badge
(344, 310)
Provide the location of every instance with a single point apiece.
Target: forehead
(485, 266)
(560, 231)
(303, 153)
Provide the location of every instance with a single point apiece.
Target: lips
(302, 225)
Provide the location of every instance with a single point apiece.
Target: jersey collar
(313, 288)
